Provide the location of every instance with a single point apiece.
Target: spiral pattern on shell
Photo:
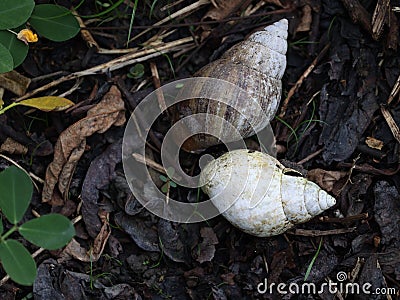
(261, 199)
(255, 65)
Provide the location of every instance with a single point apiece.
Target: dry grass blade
(392, 123)
(379, 17)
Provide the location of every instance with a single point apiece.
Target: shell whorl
(255, 65)
(261, 199)
(263, 51)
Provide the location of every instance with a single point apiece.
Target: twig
(349, 219)
(148, 162)
(392, 123)
(188, 9)
(311, 156)
(314, 233)
(379, 17)
(114, 64)
(395, 91)
(157, 85)
(358, 14)
(86, 35)
(299, 82)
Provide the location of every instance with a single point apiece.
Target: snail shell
(255, 65)
(253, 192)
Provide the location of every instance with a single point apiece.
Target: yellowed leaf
(48, 103)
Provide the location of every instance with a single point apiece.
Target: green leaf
(15, 13)
(6, 60)
(136, 72)
(54, 22)
(15, 193)
(172, 184)
(17, 262)
(52, 231)
(48, 103)
(17, 48)
(164, 188)
(163, 178)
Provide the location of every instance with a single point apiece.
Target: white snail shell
(256, 65)
(253, 192)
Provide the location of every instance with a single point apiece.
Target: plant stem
(2, 111)
(8, 233)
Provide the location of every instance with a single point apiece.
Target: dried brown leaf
(75, 250)
(207, 248)
(306, 19)
(11, 146)
(68, 149)
(325, 179)
(221, 9)
(374, 143)
(14, 82)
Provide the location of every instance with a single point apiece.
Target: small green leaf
(6, 60)
(15, 193)
(136, 72)
(48, 103)
(17, 262)
(52, 231)
(54, 22)
(170, 171)
(163, 178)
(14, 13)
(172, 184)
(164, 188)
(17, 48)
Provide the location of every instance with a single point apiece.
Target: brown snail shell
(252, 191)
(256, 65)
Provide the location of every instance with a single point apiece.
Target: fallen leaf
(48, 103)
(99, 174)
(143, 235)
(14, 82)
(68, 149)
(207, 248)
(75, 250)
(11, 146)
(374, 143)
(221, 9)
(325, 179)
(306, 19)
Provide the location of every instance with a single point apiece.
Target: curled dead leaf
(11, 146)
(71, 143)
(75, 250)
(325, 179)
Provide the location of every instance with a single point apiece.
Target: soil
(337, 124)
